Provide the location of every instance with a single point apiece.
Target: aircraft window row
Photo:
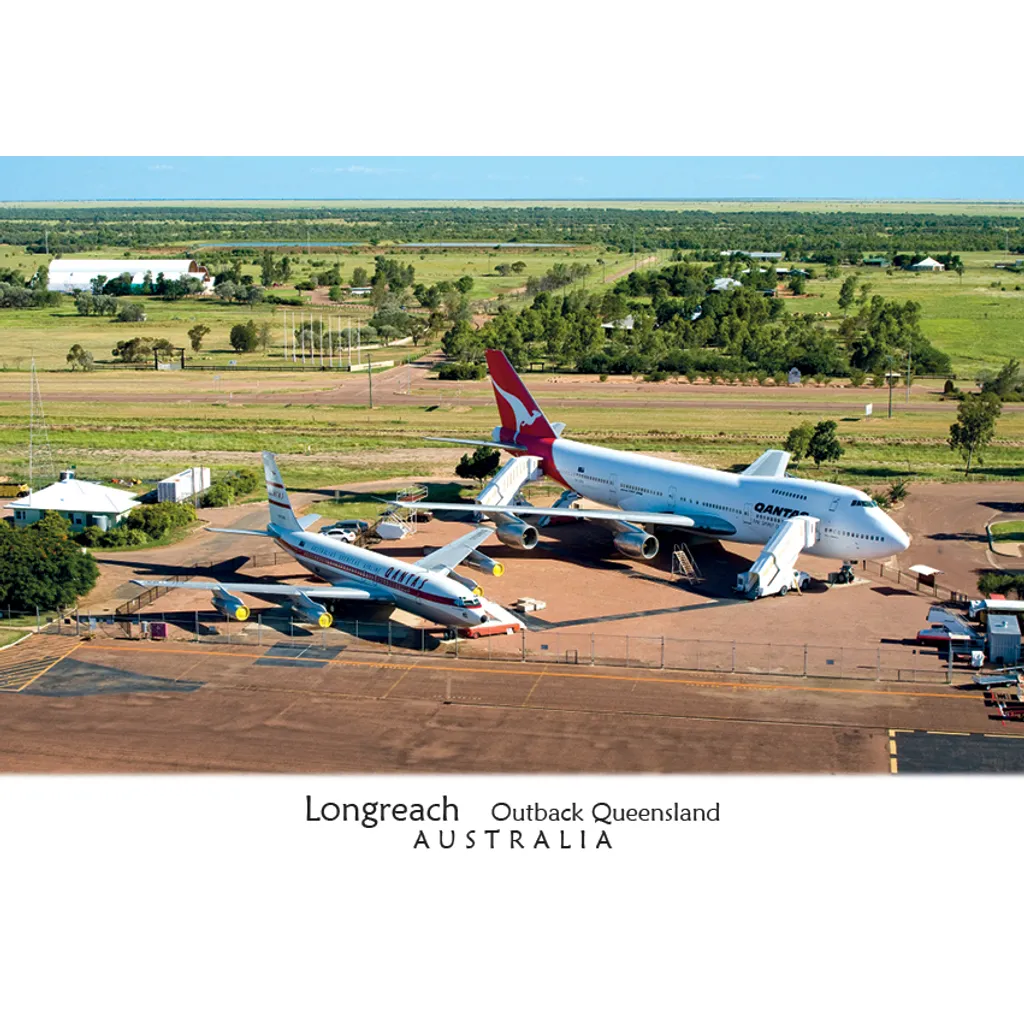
(858, 536)
(721, 508)
(642, 490)
(595, 479)
(787, 494)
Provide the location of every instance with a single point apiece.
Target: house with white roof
(928, 264)
(80, 502)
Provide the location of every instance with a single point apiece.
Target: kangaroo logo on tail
(526, 416)
(523, 418)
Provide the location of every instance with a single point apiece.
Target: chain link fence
(896, 662)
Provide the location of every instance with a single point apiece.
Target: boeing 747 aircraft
(429, 588)
(831, 520)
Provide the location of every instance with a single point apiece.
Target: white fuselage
(852, 526)
(415, 590)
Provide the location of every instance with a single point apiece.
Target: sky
(32, 179)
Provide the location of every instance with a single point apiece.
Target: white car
(339, 533)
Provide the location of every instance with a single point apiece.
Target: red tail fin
(520, 414)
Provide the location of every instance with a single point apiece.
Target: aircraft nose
(897, 537)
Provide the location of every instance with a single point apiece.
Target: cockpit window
(859, 503)
(468, 602)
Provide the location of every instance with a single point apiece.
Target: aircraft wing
(480, 444)
(447, 558)
(699, 521)
(274, 590)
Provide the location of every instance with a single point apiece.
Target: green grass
(9, 637)
(1009, 532)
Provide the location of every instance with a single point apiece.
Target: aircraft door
(748, 514)
(673, 496)
(613, 488)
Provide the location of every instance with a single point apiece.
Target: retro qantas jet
(429, 588)
(643, 492)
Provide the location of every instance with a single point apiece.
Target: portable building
(184, 485)
(1003, 639)
(78, 275)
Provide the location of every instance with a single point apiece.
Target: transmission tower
(38, 434)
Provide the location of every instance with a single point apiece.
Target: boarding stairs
(773, 571)
(398, 521)
(504, 487)
(684, 566)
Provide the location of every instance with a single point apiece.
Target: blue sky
(26, 179)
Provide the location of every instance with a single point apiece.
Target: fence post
(878, 663)
(734, 655)
(627, 650)
(389, 638)
(456, 643)
(37, 618)
(423, 639)
(259, 629)
(522, 636)
(769, 659)
(662, 652)
(591, 648)
(805, 661)
(196, 613)
(357, 629)
(698, 655)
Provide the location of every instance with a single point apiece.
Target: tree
(848, 291)
(360, 278)
(196, 335)
(131, 312)
(798, 440)
(79, 357)
(264, 337)
(244, 337)
(975, 425)
(464, 284)
(41, 566)
(138, 350)
(824, 445)
(480, 465)
(267, 268)
(797, 284)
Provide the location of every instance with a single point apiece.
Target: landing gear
(845, 574)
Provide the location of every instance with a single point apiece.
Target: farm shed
(81, 503)
(77, 275)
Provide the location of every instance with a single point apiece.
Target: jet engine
(518, 535)
(310, 611)
(485, 564)
(231, 606)
(636, 544)
(468, 583)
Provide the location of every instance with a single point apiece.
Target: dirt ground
(946, 523)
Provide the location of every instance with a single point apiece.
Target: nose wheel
(845, 574)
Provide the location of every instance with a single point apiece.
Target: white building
(72, 275)
(81, 503)
(928, 264)
(723, 284)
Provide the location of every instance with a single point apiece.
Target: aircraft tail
(521, 417)
(281, 514)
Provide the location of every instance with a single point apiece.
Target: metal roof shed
(1003, 636)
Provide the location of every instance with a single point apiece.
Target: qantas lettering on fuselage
(776, 510)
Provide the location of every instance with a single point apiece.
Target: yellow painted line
(532, 688)
(659, 679)
(396, 682)
(892, 748)
(1001, 736)
(893, 769)
(48, 667)
(936, 732)
(892, 734)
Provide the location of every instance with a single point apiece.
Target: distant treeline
(794, 233)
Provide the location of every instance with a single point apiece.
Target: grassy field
(1009, 532)
(327, 445)
(978, 325)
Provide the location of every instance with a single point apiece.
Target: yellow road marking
(48, 667)
(534, 687)
(729, 684)
(893, 769)
(936, 732)
(892, 748)
(396, 682)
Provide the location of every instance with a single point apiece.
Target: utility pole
(908, 374)
(889, 377)
(369, 377)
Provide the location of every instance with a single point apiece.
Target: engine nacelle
(469, 584)
(310, 611)
(485, 564)
(519, 535)
(636, 544)
(231, 606)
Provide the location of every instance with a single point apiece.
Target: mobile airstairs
(507, 484)
(773, 571)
